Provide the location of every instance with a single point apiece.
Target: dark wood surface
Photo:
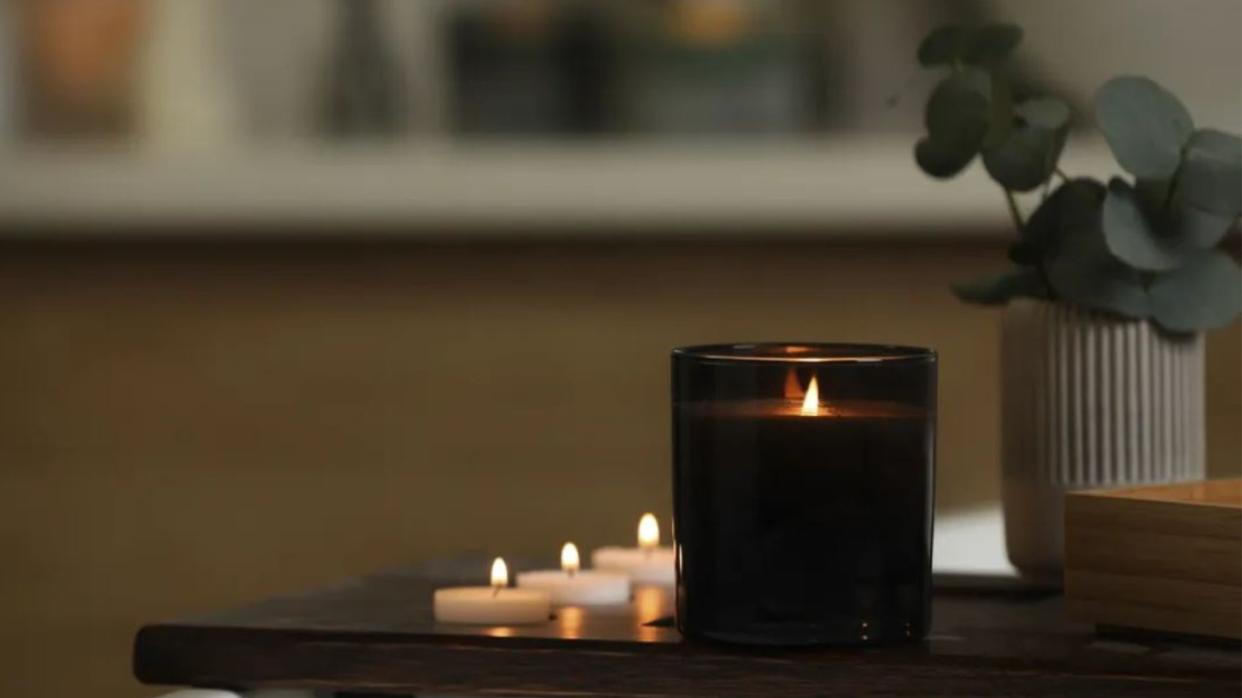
(377, 634)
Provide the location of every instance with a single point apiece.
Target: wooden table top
(377, 634)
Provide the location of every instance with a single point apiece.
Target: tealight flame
(500, 575)
(569, 559)
(648, 532)
(810, 403)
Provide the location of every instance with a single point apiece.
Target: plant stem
(1013, 210)
(1061, 173)
(1168, 193)
(1016, 214)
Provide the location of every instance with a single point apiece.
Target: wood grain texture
(1160, 558)
(377, 634)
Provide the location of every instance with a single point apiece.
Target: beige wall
(188, 427)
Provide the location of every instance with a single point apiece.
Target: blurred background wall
(295, 290)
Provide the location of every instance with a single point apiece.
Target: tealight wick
(648, 534)
(500, 575)
(570, 561)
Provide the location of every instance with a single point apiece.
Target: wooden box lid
(1165, 557)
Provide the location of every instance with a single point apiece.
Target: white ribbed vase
(1089, 400)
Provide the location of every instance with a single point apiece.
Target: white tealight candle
(646, 564)
(570, 586)
(494, 605)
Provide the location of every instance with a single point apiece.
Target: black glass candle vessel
(803, 492)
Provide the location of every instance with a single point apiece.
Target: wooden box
(1165, 558)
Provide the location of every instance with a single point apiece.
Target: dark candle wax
(800, 529)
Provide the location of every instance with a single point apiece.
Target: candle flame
(500, 574)
(569, 559)
(810, 403)
(648, 532)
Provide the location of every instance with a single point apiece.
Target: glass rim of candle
(806, 352)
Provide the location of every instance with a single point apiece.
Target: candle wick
(495, 591)
(571, 572)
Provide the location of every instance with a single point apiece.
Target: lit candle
(647, 564)
(571, 586)
(802, 482)
(494, 605)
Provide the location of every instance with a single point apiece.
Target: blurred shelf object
(186, 100)
(722, 66)
(531, 68)
(363, 91)
(788, 187)
(277, 83)
(9, 93)
(79, 65)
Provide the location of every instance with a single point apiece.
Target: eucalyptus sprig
(1143, 247)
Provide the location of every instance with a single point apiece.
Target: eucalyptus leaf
(1047, 113)
(1027, 157)
(942, 46)
(1203, 294)
(1000, 288)
(957, 119)
(1145, 125)
(1073, 206)
(1100, 285)
(1198, 228)
(1078, 264)
(990, 43)
(1211, 175)
(1167, 210)
(958, 109)
(1153, 194)
(940, 160)
(1000, 111)
(1136, 250)
(1133, 238)
(1099, 282)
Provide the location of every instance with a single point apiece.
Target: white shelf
(854, 188)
